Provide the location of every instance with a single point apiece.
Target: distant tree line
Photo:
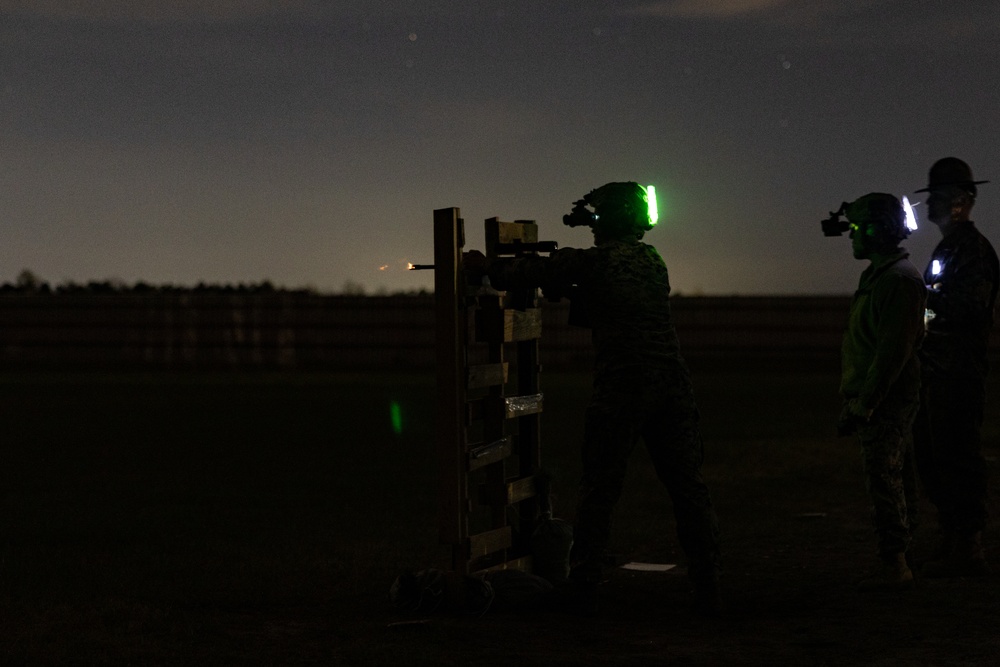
(27, 282)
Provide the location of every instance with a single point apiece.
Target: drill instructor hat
(951, 171)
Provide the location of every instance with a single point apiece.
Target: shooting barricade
(489, 401)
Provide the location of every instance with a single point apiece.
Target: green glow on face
(396, 417)
(651, 203)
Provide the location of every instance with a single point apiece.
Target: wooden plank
(522, 325)
(524, 564)
(520, 489)
(486, 375)
(450, 378)
(489, 542)
(525, 231)
(486, 453)
(520, 406)
(509, 325)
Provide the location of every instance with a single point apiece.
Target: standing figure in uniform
(880, 380)
(962, 279)
(641, 385)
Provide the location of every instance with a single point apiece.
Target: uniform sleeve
(900, 304)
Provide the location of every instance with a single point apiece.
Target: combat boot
(892, 574)
(965, 559)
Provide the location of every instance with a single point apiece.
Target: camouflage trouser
(660, 409)
(890, 477)
(948, 452)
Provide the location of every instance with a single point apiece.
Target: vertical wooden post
(450, 344)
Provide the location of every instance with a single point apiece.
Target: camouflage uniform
(963, 291)
(642, 389)
(881, 371)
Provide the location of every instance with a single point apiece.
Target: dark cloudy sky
(308, 142)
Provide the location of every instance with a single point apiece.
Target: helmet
(951, 171)
(880, 216)
(620, 209)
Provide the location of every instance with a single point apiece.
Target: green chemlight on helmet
(651, 204)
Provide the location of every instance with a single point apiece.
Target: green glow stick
(651, 204)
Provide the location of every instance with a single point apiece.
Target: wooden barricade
(489, 402)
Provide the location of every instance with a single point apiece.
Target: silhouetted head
(621, 210)
(877, 223)
(952, 191)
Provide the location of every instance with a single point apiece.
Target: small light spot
(396, 417)
(413, 36)
(597, 32)
(786, 64)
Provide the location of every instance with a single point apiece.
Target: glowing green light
(651, 203)
(396, 416)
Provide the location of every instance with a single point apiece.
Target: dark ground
(260, 519)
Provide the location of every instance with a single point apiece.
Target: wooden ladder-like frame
(489, 402)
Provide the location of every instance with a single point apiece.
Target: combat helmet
(621, 209)
(880, 216)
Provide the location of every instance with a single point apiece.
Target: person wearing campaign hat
(962, 278)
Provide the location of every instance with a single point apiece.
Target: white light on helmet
(936, 267)
(911, 218)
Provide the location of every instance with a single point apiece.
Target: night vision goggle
(581, 216)
(838, 223)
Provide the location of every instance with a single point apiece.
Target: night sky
(308, 142)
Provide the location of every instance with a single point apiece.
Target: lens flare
(396, 417)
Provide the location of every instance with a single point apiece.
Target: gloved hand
(851, 415)
(475, 265)
(858, 411)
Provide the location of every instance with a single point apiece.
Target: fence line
(285, 330)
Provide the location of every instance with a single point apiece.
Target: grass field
(260, 519)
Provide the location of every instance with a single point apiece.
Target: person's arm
(900, 306)
(561, 269)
